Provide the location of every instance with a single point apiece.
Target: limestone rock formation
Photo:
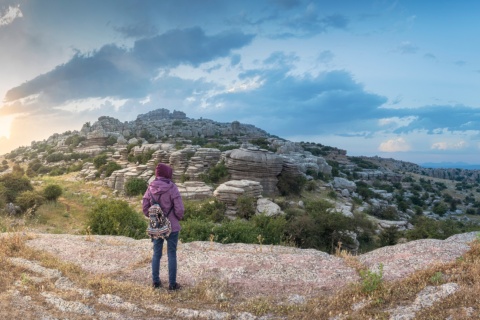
(204, 159)
(194, 190)
(256, 165)
(230, 191)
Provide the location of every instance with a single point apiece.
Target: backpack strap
(152, 199)
(154, 202)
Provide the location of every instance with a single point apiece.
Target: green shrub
(389, 236)
(196, 229)
(29, 199)
(215, 174)
(236, 231)
(135, 187)
(110, 167)
(54, 157)
(246, 206)
(310, 186)
(290, 184)
(52, 192)
(427, 228)
(383, 212)
(211, 210)
(272, 229)
(440, 208)
(317, 228)
(15, 183)
(116, 217)
(371, 281)
(100, 160)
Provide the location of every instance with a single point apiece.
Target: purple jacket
(166, 193)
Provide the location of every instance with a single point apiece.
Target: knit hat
(163, 171)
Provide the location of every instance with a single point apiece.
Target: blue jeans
(172, 241)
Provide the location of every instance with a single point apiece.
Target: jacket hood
(160, 185)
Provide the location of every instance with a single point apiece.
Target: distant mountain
(459, 165)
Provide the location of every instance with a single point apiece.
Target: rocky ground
(291, 275)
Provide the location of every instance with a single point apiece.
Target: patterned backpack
(159, 224)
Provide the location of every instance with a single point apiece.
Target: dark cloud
(139, 30)
(117, 72)
(190, 46)
(326, 102)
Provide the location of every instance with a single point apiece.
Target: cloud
(328, 102)
(394, 145)
(139, 30)
(430, 56)
(310, 23)
(433, 117)
(406, 47)
(325, 56)
(10, 15)
(444, 145)
(117, 72)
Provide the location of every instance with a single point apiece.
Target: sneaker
(174, 287)
(156, 285)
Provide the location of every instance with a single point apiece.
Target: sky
(390, 78)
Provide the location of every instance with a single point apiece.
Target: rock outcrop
(230, 191)
(256, 165)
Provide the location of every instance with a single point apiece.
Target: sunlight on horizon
(5, 125)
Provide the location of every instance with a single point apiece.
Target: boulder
(255, 165)
(342, 183)
(268, 207)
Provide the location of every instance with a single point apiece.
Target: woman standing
(165, 193)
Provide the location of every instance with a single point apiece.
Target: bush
(100, 160)
(209, 210)
(135, 187)
(319, 229)
(29, 199)
(52, 192)
(196, 229)
(290, 184)
(54, 157)
(383, 212)
(116, 217)
(110, 167)
(246, 206)
(272, 229)
(14, 183)
(215, 173)
(236, 231)
(427, 228)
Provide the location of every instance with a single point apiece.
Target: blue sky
(396, 79)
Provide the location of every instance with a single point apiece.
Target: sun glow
(5, 124)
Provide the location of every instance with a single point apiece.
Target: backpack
(159, 225)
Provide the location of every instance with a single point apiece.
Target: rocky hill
(374, 202)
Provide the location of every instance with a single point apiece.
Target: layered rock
(230, 191)
(255, 165)
(179, 162)
(305, 162)
(194, 190)
(204, 159)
